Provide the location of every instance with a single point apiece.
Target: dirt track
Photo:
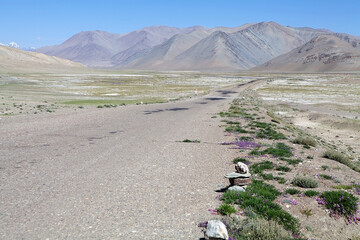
(113, 173)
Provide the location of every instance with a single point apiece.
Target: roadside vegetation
(288, 176)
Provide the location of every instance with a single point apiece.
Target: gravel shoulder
(113, 173)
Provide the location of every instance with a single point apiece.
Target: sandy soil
(113, 173)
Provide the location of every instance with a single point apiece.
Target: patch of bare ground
(309, 135)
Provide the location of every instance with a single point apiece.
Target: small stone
(216, 230)
(237, 175)
(236, 188)
(241, 168)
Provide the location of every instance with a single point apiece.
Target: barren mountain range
(250, 46)
(326, 53)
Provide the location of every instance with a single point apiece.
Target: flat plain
(78, 163)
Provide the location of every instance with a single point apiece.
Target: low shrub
(292, 191)
(311, 193)
(304, 182)
(255, 228)
(340, 203)
(226, 209)
(306, 141)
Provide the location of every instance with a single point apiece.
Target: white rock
(216, 229)
(236, 188)
(242, 168)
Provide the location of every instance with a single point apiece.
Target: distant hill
(192, 48)
(16, 60)
(326, 53)
(103, 49)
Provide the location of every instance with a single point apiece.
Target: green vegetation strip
(259, 196)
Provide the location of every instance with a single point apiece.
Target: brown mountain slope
(225, 49)
(327, 53)
(16, 60)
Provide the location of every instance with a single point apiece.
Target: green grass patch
(340, 203)
(259, 197)
(270, 134)
(235, 128)
(311, 193)
(290, 161)
(292, 191)
(280, 150)
(226, 209)
(283, 169)
(260, 167)
(325, 176)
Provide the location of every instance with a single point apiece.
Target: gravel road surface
(118, 173)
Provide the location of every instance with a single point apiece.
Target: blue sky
(48, 22)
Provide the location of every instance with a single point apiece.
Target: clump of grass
(306, 141)
(311, 193)
(347, 187)
(246, 138)
(325, 176)
(292, 191)
(255, 228)
(236, 128)
(290, 161)
(340, 203)
(191, 141)
(334, 155)
(260, 167)
(325, 167)
(259, 197)
(270, 176)
(280, 150)
(226, 209)
(270, 133)
(304, 182)
(243, 160)
(283, 169)
(307, 212)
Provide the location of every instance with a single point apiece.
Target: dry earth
(113, 173)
